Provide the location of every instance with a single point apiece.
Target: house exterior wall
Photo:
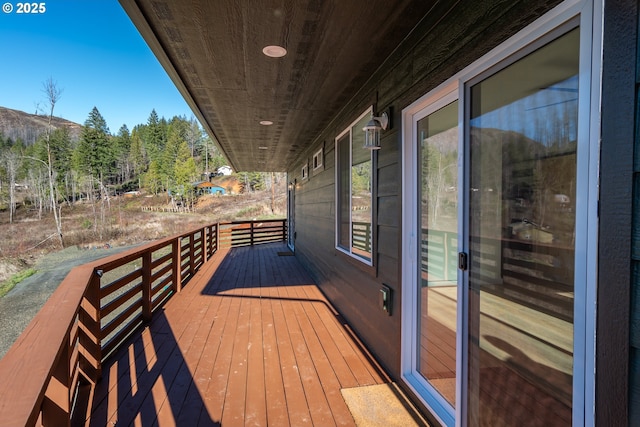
(629, 55)
(438, 48)
(433, 52)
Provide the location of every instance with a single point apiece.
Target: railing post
(147, 304)
(251, 233)
(177, 268)
(204, 247)
(192, 258)
(284, 230)
(90, 333)
(56, 407)
(217, 236)
(446, 255)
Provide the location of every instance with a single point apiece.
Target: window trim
(318, 160)
(340, 249)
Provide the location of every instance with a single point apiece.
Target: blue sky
(94, 54)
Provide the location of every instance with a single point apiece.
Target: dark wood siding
(450, 37)
(617, 359)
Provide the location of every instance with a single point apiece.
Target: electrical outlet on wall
(385, 299)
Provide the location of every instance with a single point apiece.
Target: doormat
(285, 253)
(381, 405)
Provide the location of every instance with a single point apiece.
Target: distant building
(224, 170)
(206, 187)
(131, 194)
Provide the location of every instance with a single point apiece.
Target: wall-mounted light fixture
(372, 130)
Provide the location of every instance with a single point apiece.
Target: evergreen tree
(61, 152)
(137, 155)
(252, 181)
(155, 136)
(170, 154)
(122, 147)
(153, 178)
(122, 141)
(94, 154)
(184, 171)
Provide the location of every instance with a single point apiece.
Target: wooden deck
(250, 341)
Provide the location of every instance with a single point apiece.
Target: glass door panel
(437, 275)
(523, 123)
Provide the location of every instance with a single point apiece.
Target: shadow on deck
(250, 341)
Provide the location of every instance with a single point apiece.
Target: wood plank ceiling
(212, 50)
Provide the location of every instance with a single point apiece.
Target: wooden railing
(51, 369)
(361, 236)
(537, 275)
(439, 255)
(246, 233)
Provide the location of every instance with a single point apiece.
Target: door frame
(291, 214)
(426, 105)
(589, 12)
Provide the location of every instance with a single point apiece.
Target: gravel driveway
(21, 304)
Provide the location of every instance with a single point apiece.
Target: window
(354, 168)
(305, 172)
(317, 160)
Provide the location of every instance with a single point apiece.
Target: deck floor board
(249, 341)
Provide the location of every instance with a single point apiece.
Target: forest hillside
(18, 125)
(82, 185)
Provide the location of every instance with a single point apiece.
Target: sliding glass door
(437, 292)
(430, 270)
(522, 138)
(497, 179)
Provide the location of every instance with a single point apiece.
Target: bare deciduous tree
(11, 161)
(52, 94)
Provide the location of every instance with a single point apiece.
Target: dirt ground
(30, 242)
(7, 269)
(121, 222)
(18, 307)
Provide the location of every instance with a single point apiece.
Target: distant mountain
(17, 124)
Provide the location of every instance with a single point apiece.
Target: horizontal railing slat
(155, 263)
(118, 320)
(120, 283)
(164, 270)
(120, 337)
(119, 301)
(163, 284)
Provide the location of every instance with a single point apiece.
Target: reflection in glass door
(437, 261)
(522, 136)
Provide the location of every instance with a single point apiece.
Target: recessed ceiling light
(266, 122)
(274, 51)
(262, 147)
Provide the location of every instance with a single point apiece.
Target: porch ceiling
(212, 50)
